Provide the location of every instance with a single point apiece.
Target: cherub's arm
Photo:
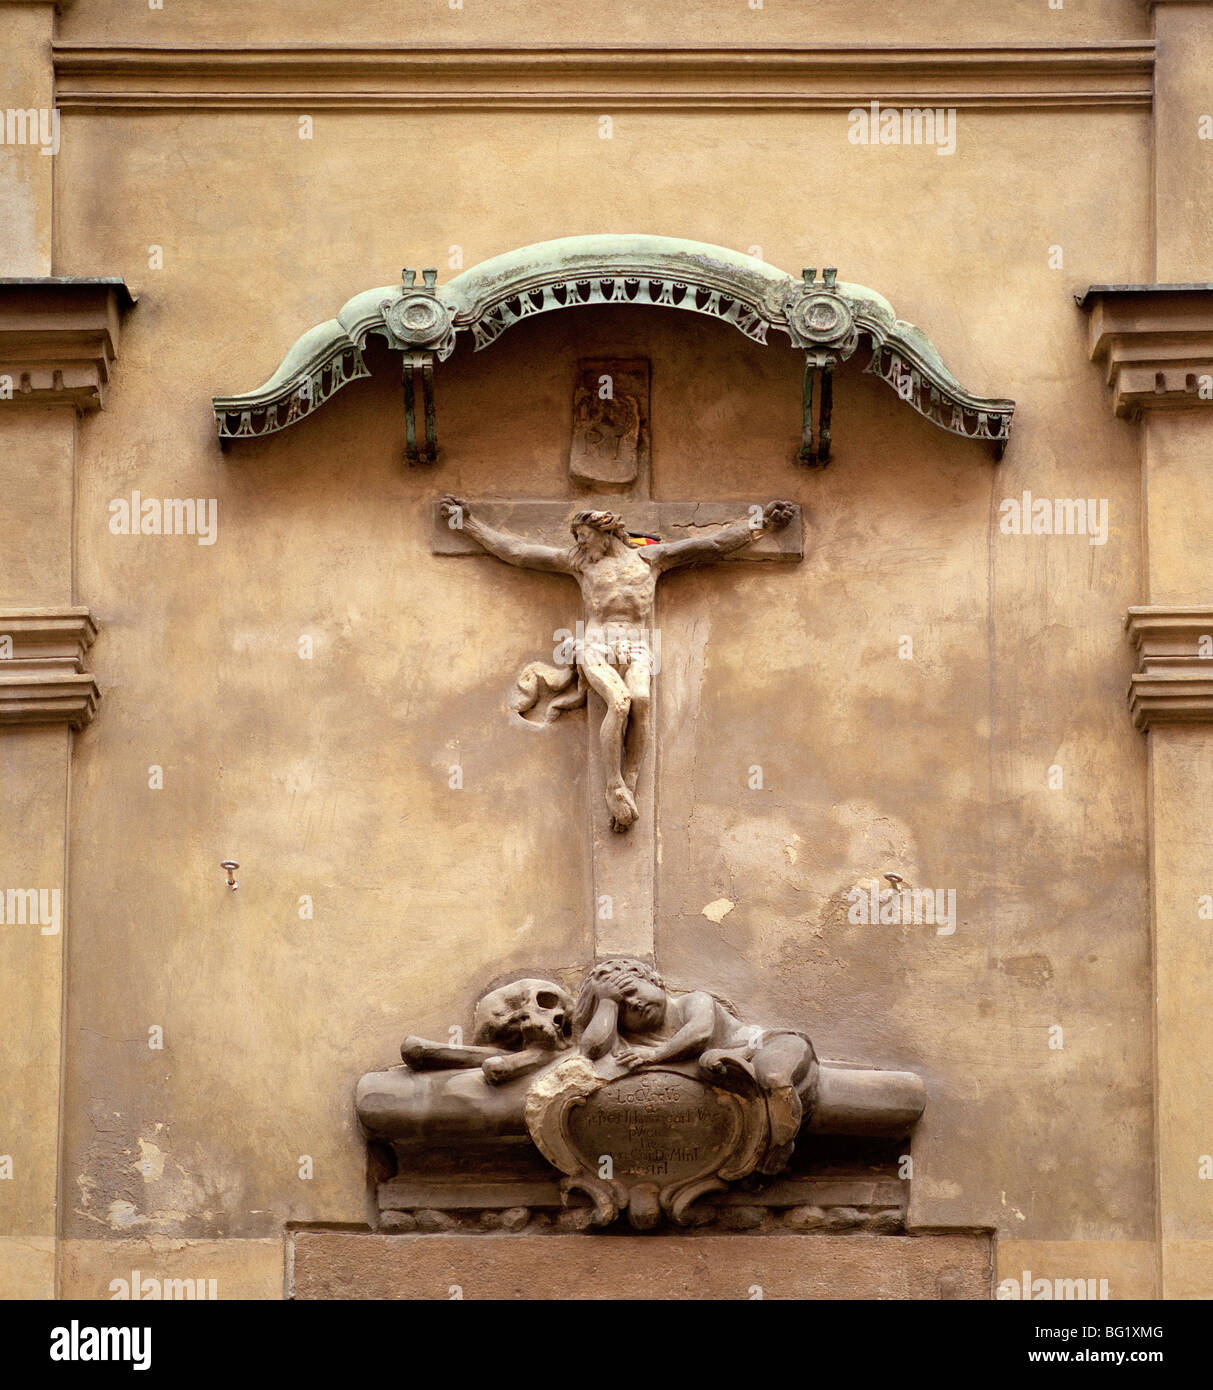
(699, 1011)
(514, 550)
(601, 1033)
(696, 550)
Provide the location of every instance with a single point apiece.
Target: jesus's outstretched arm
(514, 550)
(698, 550)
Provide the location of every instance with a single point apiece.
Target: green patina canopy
(827, 319)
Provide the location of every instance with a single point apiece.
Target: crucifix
(617, 550)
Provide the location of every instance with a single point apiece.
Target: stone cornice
(1155, 343)
(1174, 679)
(324, 77)
(43, 680)
(58, 338)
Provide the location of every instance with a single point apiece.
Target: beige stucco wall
(852, 22)
(329, 776)
(26, 174)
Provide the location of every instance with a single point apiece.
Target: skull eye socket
(546, 999)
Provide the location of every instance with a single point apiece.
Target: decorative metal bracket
(817, 456)
(822, 321)
(826, 319)
(418, 323)
(419, 372)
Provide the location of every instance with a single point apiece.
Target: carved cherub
(624, 1009)
(517, 1028)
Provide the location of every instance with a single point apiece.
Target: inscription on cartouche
(653, 1126)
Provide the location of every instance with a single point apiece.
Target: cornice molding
(386, 77)
(1173, 683)
(58, 340)
(44, 680)
(1155, 343)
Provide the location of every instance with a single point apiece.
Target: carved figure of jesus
(619, 587)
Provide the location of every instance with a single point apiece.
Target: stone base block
(344, 1265)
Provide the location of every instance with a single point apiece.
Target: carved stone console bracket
(826, 319)
(42, 674)
(58, 338)
(1155, 343)
(1174, 679)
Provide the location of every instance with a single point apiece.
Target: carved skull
(526, 1013)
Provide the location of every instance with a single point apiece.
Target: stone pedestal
(351, 1265)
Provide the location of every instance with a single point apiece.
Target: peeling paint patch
(718, 911)
(123, 1215)
(151, 1164)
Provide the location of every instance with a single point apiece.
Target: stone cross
(622, 902)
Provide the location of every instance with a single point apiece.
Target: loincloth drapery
(622, 647)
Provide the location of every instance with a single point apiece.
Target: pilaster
(1155, 344)
(58, 341)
